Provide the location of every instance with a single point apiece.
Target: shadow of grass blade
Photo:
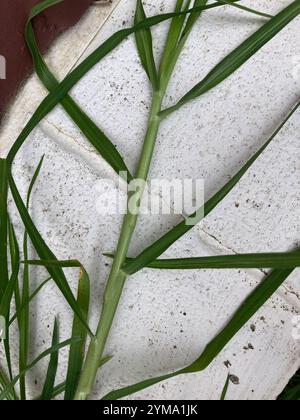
(240, 55)
(3, 226)
(161, 245)
(283, 260)
(246, 311)
(144, 44)
(52, 368)
(92, 132)
(45, 253)
(77, 350)
(42, 356)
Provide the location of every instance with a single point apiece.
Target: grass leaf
(225, 389)
(161, 245)
(77, 350)
(246, 9)
(240, 55)
(246, 311)
(282, 260)
(3, 226)
(45, 253)
(42, 356)
(11, 286)
(22, 309)
(145, 46)
(30, 298)
(61, 90)
(92, 132)
(52, 368)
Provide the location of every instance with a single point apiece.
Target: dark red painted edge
(15, 60)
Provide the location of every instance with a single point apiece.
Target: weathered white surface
(166, 319)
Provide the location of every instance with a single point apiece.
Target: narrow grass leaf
(3, 226)
(278, 260)
(246, 9)
(77, 350)
(45, 253)
(4, 382)
(151, 253)
(27, 301)
(22, 309)
(240, 55)
(11, 286)
(174, 33)
(144, 44)
(62, 89)
(58, 389)
(225, 389)
(42, 356)
(92, 132)
(52, 368)
(246, 311)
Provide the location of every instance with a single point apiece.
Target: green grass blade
(91, 131)
(240, 55)
(177, 37)
(247, 310)
(192, 19)
(62, 89)
(42, 356)
(54, 263)
(283, 260)
(225, 389)
(144, 44)
(30, 298)
(22, 309)
(11, 286)
(45, 253)
(58, 389)
(52, 368)
(246, 9)
(4, 382)
(3, 226)
(151, 253)
(174, 33)
(77, 350)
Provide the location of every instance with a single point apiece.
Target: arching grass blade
(91, 131)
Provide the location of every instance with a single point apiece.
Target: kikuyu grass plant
(86, 348)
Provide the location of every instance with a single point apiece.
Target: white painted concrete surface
(165, 318)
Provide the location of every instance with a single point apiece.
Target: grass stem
(118, 277)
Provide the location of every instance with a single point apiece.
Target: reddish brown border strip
(13, 16)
